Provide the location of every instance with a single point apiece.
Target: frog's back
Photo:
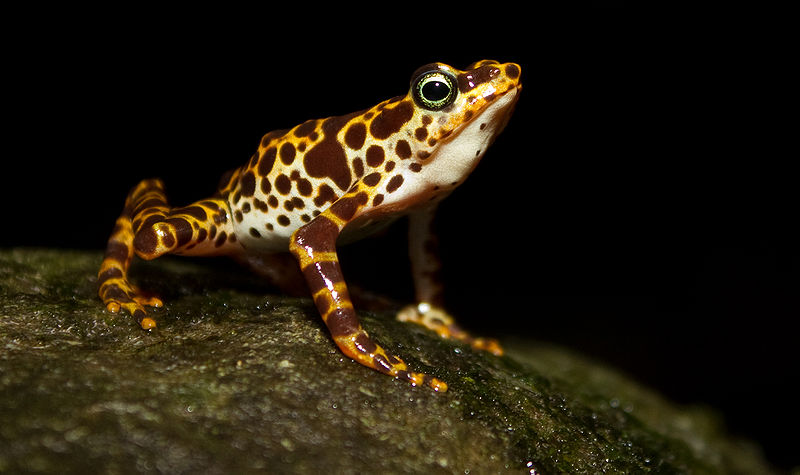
(390, 149)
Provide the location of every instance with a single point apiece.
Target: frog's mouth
(460, 152)
(493, 118)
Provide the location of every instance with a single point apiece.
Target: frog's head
(458, 114)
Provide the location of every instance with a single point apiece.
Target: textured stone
(238, 379)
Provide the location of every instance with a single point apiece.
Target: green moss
(239, 379)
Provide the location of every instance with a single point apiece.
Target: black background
(639, 207)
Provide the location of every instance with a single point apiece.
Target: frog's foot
(122, 296)
(436, 319)
(364, 350)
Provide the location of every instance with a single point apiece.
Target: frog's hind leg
(426, 268)
(149, 228)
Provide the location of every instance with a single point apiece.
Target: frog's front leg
(314, 246)
(149, 228)
(426, 269)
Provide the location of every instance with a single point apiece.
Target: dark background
(638, 208)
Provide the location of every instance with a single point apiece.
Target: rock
(238, 379)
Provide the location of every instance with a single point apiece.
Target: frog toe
(422, 379)
(148, 300)
(487, 344)
(438, 320)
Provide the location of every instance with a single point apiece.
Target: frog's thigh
(202, 228)
(149, 228)
(423, 249)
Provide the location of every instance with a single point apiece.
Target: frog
(324, 183)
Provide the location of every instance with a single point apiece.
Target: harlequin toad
(328, 180)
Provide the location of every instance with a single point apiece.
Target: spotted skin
(333, 180)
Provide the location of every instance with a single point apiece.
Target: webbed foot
(437, 319)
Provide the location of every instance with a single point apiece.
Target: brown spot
(358, 167)
(375, 155)
(345, 208)
(304, 187)
(145, 241)
(365, 344)
(196, 212)
(305, 129)
(422, 154)
(431, 141)
(426, 119)
(372, 179)
(287, 153)
(270, 136)
(415, 167)
(284, 220)
(403, 149)
(183, 230)
(390, 121)
(202, 234)
(266, 162)
(320, 235)
(221, 238)
(389, 166)
(237, 215)
(213, 206)
(471, 79)
(260, 205)
(246, 207)
(342, 321)
(377, 200)
(247, 184)
(272, 201)
(148, 203)
(327, 158)
(110, 273)
(381, 363)
(254, 232)
(266, 187)
(394, 183)
(319, 273)
(325, 195)
(356, 135)
(421, 133)
(283, 184)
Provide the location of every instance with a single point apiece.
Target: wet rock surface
(239, 379)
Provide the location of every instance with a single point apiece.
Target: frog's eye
(434, 90)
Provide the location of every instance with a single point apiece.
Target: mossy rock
(238, 379)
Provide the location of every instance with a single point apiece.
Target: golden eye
(434, 90)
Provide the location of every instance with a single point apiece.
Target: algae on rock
(239, 379)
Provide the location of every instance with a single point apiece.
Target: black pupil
(435, 91)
